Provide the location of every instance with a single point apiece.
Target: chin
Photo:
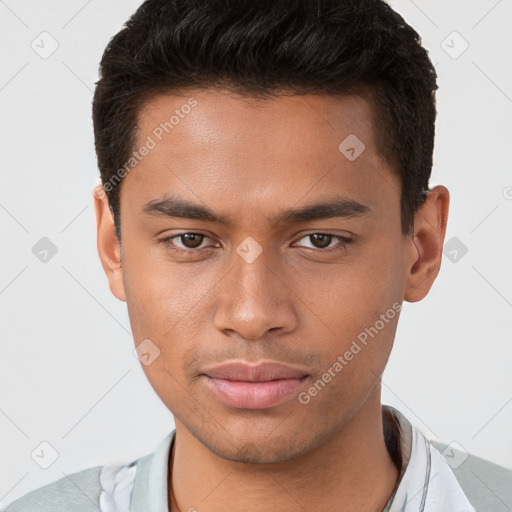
(260, 451)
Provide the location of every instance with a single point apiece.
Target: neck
(352, 470)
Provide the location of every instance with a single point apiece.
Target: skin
(296, 303)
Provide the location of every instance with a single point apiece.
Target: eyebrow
(339, 206)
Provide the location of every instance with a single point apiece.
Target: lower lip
(254, 395)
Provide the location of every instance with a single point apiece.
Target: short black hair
(261, 48)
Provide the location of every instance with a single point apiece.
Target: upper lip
(247, 372)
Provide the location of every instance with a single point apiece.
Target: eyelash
(167, 242)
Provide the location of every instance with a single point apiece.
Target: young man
(264, 212)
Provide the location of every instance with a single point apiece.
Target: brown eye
(185, 243)
(191, 240)
(320, 240)
(324, 242)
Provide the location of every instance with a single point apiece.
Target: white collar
(425, 482)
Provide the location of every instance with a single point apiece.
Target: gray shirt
(462, 479)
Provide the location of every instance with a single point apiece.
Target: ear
(426, 244)
(109, 248)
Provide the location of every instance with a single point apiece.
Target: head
(265, 170)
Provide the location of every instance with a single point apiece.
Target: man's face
(302, 301)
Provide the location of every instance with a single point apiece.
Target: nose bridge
(253, 270)
(254, 299)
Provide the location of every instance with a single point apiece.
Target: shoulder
(78, 492)
(487, 485)
(109, 487)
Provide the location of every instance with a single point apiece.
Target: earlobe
(109, 249)
(426, 244)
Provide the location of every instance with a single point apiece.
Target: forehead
(219, 147)
(274, 120)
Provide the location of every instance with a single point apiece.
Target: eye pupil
(192, 240)
(324, 239)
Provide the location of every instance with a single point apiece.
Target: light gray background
(68, 375)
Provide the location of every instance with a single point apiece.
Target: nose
(256, 298)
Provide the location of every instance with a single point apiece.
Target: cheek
(161, 296)
(344, 299)
(161, 309)
(353, 359)
(168, 304)
(353, 315)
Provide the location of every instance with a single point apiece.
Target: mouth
(247, 386)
